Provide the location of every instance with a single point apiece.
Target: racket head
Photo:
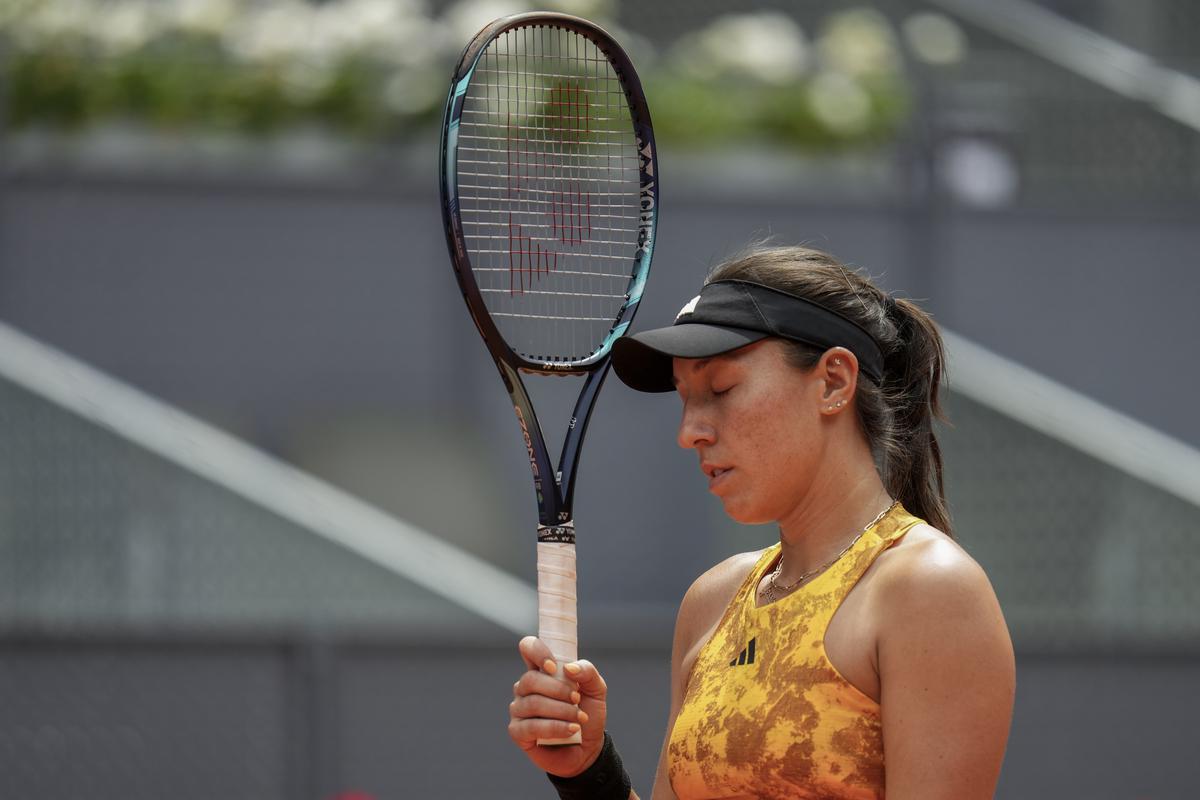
(549, 190)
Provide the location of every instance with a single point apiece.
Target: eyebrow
(696, 367)
(701, 363)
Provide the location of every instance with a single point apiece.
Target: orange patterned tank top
(765, 714)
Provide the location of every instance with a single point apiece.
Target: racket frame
(555, 488)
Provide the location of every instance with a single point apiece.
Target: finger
(536, 705)
(539, 683)
(536, 654)
(526, 732)
(587, 677)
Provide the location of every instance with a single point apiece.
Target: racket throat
(568, 463)
(562, 533)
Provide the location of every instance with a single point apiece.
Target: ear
(838, 371)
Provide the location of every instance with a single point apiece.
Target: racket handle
(557, 620)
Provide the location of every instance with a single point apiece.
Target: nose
(695, 428)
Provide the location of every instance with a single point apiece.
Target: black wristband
(605, 779)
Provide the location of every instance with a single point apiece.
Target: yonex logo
(646, 218)
(746, 656)
(688, 308)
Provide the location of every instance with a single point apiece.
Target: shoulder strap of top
(850, 567)
(765, 562)
(874, 541)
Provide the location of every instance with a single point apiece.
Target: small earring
(839, 403)
(837, 362)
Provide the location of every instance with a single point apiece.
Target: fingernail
(576, 697)
(549, 666)
(583, 717)
(573, 669)
(573, 727)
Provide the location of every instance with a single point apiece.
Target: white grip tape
(557, 620)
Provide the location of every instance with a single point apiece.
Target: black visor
(731, 314)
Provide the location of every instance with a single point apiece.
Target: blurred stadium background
(265, 526)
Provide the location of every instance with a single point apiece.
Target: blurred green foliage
(375, 71)
(182, 85)
(697, 114)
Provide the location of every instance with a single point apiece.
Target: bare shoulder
(709, 595)
(927, 563)
(929, 588)
(716, 586)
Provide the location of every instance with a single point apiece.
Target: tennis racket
(550, 199)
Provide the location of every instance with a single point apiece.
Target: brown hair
(897, 415)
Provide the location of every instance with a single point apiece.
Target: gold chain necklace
(774, 590)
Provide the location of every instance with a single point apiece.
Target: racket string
(507, 251)
(548, 155)
(493, 223)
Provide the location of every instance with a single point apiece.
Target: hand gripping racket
(550, 198)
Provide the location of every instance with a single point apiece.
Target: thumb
(588, 678)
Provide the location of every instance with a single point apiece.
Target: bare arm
(947, 674)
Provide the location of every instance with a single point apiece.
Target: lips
(716, 474)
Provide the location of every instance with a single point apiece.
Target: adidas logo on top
(746, 656)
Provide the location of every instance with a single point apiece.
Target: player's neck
(828, 520)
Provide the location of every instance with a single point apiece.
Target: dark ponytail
(912, 458)
(896, 416)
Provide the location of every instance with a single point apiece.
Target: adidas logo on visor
(688, 308)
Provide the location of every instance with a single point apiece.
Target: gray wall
(289, 719)
(264, 306)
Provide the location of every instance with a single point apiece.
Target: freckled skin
(796, 458)
(765, 426)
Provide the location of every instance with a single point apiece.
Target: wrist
(604, 779)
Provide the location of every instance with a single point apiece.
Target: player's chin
(744, 510)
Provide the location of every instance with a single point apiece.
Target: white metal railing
(1073, 418)
(1091, 55)
(395, 545)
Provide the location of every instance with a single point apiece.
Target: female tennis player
(865, 654)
